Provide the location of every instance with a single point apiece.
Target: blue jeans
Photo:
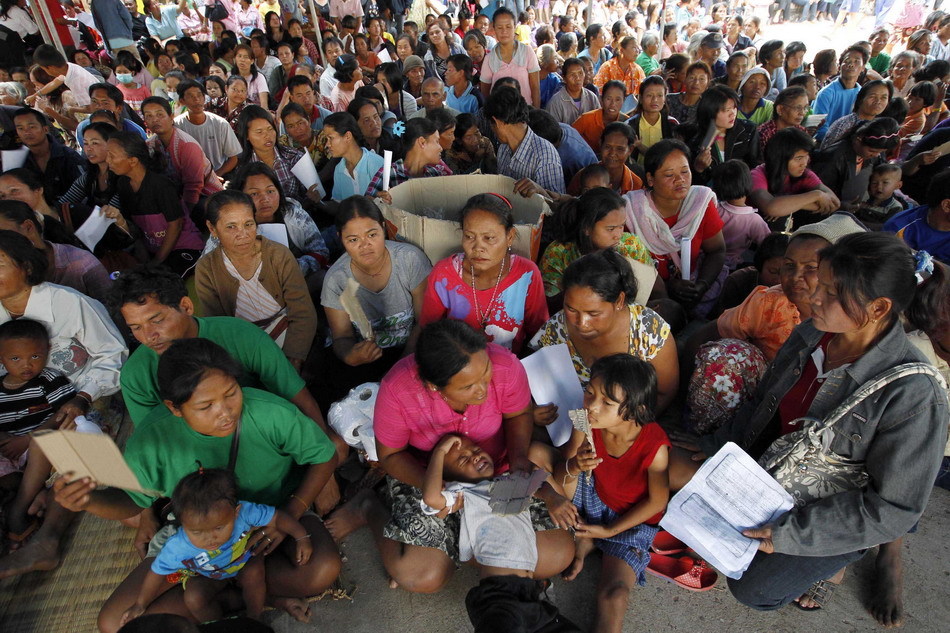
(774, 580)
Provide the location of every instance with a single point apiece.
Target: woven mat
(98, 556)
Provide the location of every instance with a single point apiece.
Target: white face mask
(123, 78)
(172, 95)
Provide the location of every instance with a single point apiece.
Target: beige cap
(834, 227)
(413, 61)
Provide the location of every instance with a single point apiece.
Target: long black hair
(445, 348)
(790, 141)
(605, 272)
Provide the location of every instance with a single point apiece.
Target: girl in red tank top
(620, 484)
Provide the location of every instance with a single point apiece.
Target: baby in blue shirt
(211, 547)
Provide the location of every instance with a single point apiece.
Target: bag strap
(876, 384)
(235, 443)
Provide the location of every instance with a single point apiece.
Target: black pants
(514, 605)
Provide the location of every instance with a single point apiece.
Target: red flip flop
(667, 544)
(688, 573)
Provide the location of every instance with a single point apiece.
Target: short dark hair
(159, 101)
(619, 127)
(462, 63)
(442, 118)
(732, 180)
(298, 80)
(198, 492)
(774, 245)
(445, 348)
(144, 282)
(48, 55)
(938, 190)
(507, 105)
(293, 108)
(111, 91)
(36, 114)
(541, 123)
(220, 199)
(186, 362)
(926, 91)
(631, 383)
(188, 84)
(31, 260)
(613, 83)
(606, 272)
(23, 329)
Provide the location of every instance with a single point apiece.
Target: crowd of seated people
(744, 233)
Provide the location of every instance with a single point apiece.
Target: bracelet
(306, 506)
(302, 537)
(567, 469)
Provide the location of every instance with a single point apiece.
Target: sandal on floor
(666, 544)
(688, 573)
(18, 540)
(819, 593)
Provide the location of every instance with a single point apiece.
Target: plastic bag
(352, 418)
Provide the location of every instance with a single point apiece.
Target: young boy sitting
(593, 176)
(507, 597)
(881, 204)
(927, 227)
(30, 396)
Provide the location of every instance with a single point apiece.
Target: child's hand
(563, 512)
(131, 613)
(586, 459)
(304, 550)
(385, 197)
(545, 414)
(593, 531)
(446, 444)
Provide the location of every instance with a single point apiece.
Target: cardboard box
(439, 238)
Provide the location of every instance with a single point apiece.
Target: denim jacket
(899, 433)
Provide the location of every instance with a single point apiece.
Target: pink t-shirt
(409, 414)
(523, 63)
(742, 228)
(808, 182)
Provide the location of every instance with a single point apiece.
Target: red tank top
(622, 482)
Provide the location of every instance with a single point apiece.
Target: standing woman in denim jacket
(864, 283)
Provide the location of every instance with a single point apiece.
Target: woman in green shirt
(280, 457)
(754, 107)
(880, 60)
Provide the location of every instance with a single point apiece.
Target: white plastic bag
(352, 418)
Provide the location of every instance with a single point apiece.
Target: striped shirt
(25, 408)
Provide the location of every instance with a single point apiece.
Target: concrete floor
(658, 607)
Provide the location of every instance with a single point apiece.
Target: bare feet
(582, 547)
(328, 498)
(350, 516)
(37, 555)
(887, 604)
(298, 608)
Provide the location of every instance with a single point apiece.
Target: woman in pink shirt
(458, 383)
(511, 58)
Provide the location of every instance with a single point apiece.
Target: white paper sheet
(387, 166)
(275, 232)
(384, 56)
(14, 158)
(306, 173)
(93, 228)
(686, 246)
(728, 494)
(553, 380)
(814, 120)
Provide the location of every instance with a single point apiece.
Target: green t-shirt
(761, 114)
(879, 63)
(647, 63)
(277, 443)
(263, 361)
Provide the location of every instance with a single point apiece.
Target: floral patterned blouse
(558, 256)
(648, 333)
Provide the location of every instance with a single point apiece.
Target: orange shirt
(590, 125)
(610, 70)
(629, 182)
(766, 319)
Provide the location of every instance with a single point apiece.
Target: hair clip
(883, 136)
(498, 195)
(923, 266)
(399, 128)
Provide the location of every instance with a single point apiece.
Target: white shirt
(19, 21)
(215, 136)
(84, 342)
(78, 80)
